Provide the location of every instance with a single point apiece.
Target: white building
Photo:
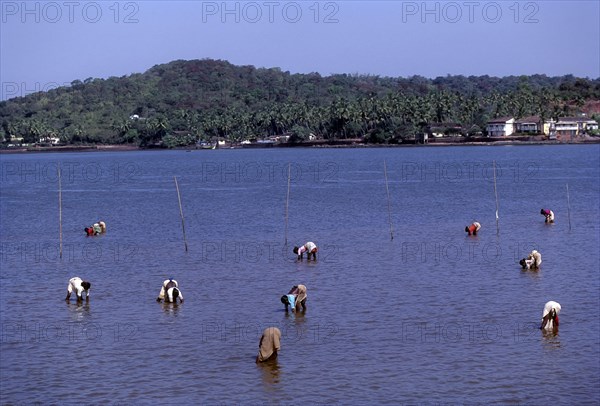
(500, 127)
(574, 126)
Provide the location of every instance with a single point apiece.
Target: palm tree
(441, 104)
(340, 113)
(467, 107)
(545, 102)
(33, 131)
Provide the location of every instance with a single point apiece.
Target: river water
(432, 316)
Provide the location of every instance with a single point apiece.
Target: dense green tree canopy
(182, 102)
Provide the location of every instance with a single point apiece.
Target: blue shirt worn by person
(292, 300)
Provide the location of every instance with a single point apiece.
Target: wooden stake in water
(60, 244)
(388, 200)
(569, 207)
(496, 193)
(181, 214)
(287, 202)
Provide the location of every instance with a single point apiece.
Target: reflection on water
(531, 273)
(550, 340)
(78, 310)
(300, 316)
(270, 373)
(171, 309)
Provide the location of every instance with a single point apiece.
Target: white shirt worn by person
(75, 285)
(170, 295)
(308, 247)
(548, 307)
(168, 283)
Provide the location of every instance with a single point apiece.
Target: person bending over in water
(473, 228)
(536, 257)
(527, 263)
(295, 298)
(533, 260)
(80, 287)
(550, 316)
(269, 345)
(549, 214)
(169, 292)
(95, 229)
(310, 248)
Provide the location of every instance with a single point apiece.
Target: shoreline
(319, 144)
(72, 148)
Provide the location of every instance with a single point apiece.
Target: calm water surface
(431, 316)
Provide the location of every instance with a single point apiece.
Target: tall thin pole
(388, 200)
(496, 193)
(60, 243)
(287, 203)
(181, 214)
(569, 207)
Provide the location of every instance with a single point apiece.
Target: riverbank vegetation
(184, 102)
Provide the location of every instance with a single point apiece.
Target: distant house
(438, 130)
(14, 141)
(500, 127)
(533, 125)
(529, 125)
(574, 126)
(550, 127)
(50, 140)
(279, 138)
(566, 126)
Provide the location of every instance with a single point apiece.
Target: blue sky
(44, 44)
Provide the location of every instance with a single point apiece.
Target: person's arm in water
(300, 251)
(86, 289)
(161, 294)
(69, 290)
(285, 301)
(544, 321)
(551, 315)
(259, 345)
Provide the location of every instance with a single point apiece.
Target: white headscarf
(549, 306)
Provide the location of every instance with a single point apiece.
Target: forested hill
(181, 102)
